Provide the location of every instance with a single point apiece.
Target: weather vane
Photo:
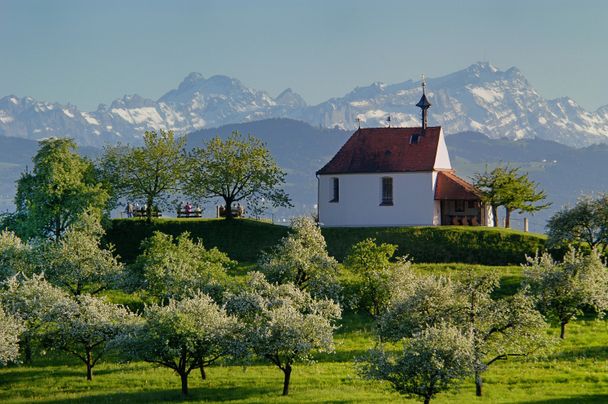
(423, 81)
(359, 122)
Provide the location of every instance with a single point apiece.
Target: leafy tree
(563, 289)
(507, 187)
(500, 328)
(302, 259)
(86, 327)
(55, 194)
(235, 169)
(172, 268)
(586, 222)
(15, 256)
(77, 262)
(10, 331)
(150, 172)
(284, 324)
(30, 299)
(378, 278)
(434, 360)
(185, 335)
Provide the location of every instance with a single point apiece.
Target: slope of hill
(245, 240)
(479, 98)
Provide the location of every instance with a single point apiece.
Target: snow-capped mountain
(479, 98)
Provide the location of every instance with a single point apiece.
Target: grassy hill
(244, 239)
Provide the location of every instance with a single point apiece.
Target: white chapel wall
(361, 196)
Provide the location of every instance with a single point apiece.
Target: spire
(423, 104)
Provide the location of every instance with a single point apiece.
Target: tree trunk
(184, 377)
(228, 207)
(57, 230)
(495, 214)
(203, 374)
(478, 383)
(89, 367)
(562, 333)
(27, 348)
(427, 400)
(287, 372)
(149, 209)
(507, 218)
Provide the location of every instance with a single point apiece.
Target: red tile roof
(381, 150)
(451, 186)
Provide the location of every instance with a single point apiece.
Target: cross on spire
(423, 104)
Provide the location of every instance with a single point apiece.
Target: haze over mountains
(479, 98)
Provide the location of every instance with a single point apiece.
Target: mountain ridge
(481, 97)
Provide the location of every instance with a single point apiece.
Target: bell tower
(423, 104)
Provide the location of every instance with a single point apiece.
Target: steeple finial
(423, 104)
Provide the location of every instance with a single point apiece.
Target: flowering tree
(86, 327)
(424, 301)
(15, 255)
(10, 330)
(77, 262)
(30, 299)
(499, 328)
(301, 258)
(563, 289)
(284, 324)
(185, 335)
(434, 360)
(172, 268)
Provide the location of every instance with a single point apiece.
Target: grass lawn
(576, 372)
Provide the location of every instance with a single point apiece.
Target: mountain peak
(132, 101)
(290, 98)
(483, 66)
(190, 80)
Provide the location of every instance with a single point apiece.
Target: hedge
(474, 245)
(244, 239)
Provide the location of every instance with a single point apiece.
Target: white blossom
(302, 259)
(10, 331)
(284, 324)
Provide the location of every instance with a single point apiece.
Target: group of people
(187, 210)
(132, 209)
(187, 207)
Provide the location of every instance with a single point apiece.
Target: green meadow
(575, 371)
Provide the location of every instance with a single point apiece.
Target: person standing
(129, 209)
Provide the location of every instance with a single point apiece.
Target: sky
(89, 52)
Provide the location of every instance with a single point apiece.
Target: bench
(236, 212)
(182, 213)
(143, 213)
